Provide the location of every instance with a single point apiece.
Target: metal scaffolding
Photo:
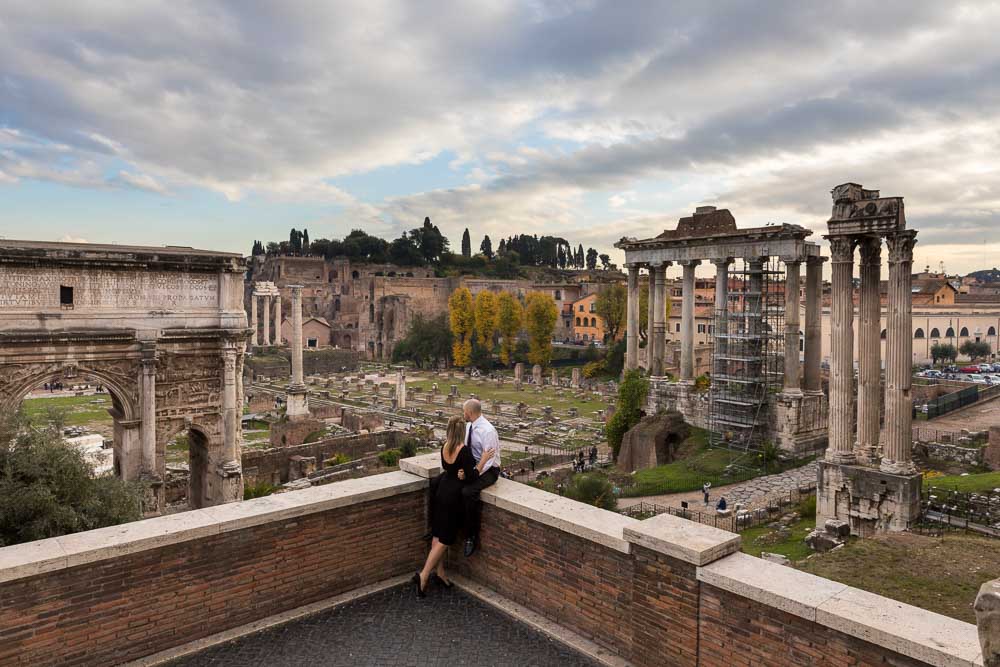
(748, 354)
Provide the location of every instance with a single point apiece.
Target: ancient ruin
(867, 480)
(756, 391)
(263, 292)
(163, 329)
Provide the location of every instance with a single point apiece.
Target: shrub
(702, 383)
(807, 507)
(631, 397)
(336, 460)
(258, 490)
(389, 458)
(47, 487)
(408, 448)
(593, 369)
(593, 489)
(769, 453)
(315, 435)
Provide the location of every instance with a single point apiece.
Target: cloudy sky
(214, 123)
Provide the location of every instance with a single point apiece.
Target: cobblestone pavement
(393, 628)
(751, 494)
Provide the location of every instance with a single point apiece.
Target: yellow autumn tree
(540, 315)
(462, 320)
(510, 319)
(486, 312)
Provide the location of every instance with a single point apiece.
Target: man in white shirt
(480, 436)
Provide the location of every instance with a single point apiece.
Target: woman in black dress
(459, 468)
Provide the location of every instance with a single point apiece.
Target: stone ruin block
(300, 466)
(536, 374)
(454, 390)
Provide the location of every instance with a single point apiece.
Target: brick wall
(737, 631)
(271, 465)
(664, 610)
(123, 608)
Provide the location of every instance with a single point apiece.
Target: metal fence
(734, 520)
(953, 401)
(977, 511)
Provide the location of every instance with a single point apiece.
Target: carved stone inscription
(35, 289)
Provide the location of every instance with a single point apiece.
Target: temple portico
(741, 334)
(262, 308)
(868, 480)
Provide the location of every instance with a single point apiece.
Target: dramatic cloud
(591, 119)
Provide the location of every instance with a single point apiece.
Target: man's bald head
(471, 409)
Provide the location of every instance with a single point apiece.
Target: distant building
(315, 332)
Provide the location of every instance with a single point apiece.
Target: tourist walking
(704, 490)
(448, 503)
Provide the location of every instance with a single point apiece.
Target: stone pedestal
(297, 403)
(575, 379)
(800, 422)
(869, 500)
(536, 375)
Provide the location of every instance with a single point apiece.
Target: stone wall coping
(31, 558)
(683, 539)
(902, 628)
(424, 465)
(576, 518)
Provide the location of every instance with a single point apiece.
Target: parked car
(985, 368)
(969, 369)
(977, 378)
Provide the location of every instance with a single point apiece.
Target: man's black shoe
(470, 547)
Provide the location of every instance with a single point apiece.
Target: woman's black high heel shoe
(421, 593)
(444, 582)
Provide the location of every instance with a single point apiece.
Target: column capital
(689, 262)
(842, 249)
(659, 266)
(722, 261)
(870, 249)
(815, 260)
(296, 289)
(790, 259)
(633, 266)
(901, 245)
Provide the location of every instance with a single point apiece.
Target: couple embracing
(470, 459)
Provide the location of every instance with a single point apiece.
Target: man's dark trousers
(471, 502)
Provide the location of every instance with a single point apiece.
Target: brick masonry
(123, 608)
(271, 465)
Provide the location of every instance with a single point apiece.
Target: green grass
(561, 400)
(986, 481)
(79, 410)
(699, 464)
(793, 547)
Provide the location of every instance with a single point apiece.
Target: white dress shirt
(484, 436)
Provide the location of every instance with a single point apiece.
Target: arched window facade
(950, 333)
(882, 335)
(964, 333)
(593, 321)
(919, 333)
(558, 295)
(992, 331)
(935, 333)
(355, 275)
(578, 321)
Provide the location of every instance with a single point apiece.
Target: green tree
(427, 343)
(944, 352)
(47, 487)
(486, 315)
(432, 243)
(593, 489)
(466, 244)
(611, 306)
(486, 247)
(462, 321)
(628, 410)
(591, 259)
(540, 315)
(975, 350)
(510, 319)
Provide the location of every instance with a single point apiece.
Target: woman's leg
(433, 558)
(440, 571)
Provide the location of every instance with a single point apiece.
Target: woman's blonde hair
(454, 436)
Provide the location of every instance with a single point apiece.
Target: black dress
(448, 513)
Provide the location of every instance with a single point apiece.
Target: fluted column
(687, 319)
(897, 455)
(841, 448)
(792, 384)
(660, 319)
(147, 428)
(721, 314)
(253, 319)
(869, 350)
(277, 319)
(231, 411)
(267, 320)
(814, 328)
(632, 331)
(296, 341)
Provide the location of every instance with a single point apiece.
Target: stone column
(659, 319)
(632, 331)
(231, 411)
(267, 320)
(650, 316)
(896, 456)
(253, 319)
(792, 366)
(841, 448)
(147, 386)
(297, 403)
(721, 314)
(277, 319)
(814, 324)
(687, 319)
(400, 390)
(869, 350)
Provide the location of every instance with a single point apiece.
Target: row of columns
(862, 447)
(656, 328)
(268, 313)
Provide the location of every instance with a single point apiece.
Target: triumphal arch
(162, 329)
